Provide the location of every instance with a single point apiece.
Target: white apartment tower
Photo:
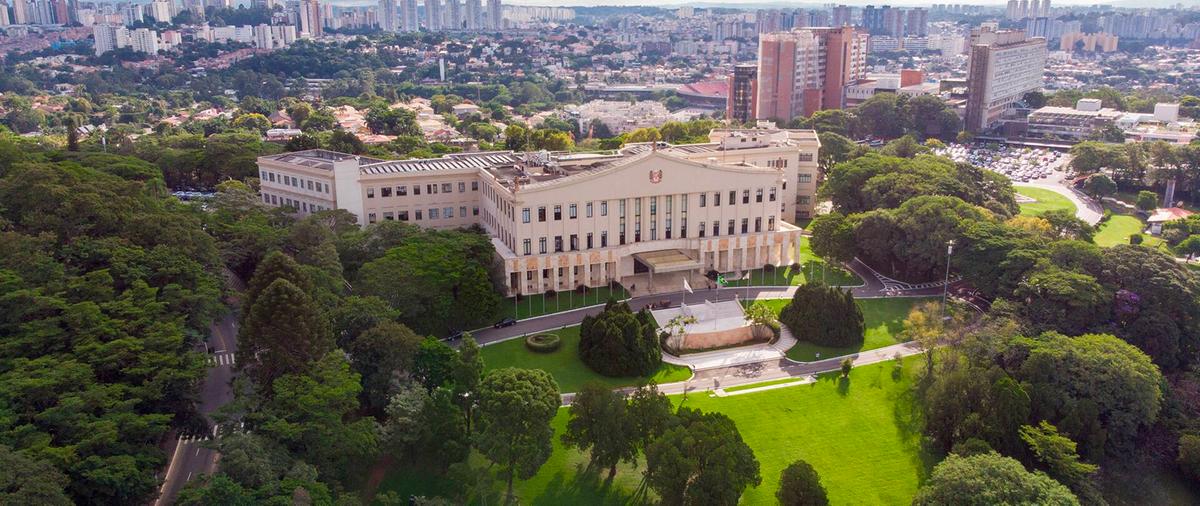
(454, 14)
(4, 21)
(474, 15)
(20, 12)
(495, 15)
(388, 20)
(1003, 66)
(433, 15)
(408, 16)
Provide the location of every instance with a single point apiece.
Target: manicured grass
(1046, 200)
(564, 364)
(860, 434)
(813, 267)
(1118, 229)
(537, 305)
(883, 318)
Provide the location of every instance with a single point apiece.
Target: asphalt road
(189, 457)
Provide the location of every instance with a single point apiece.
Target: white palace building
(560, 220)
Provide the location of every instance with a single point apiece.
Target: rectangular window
(310, 186)
(462, 187)
(758, 224)
(803, 200)
(416, 189)
(771, 223)
(389, 216)
(574, 242)
(541, 214)
(474, 186)
(805, 178)
(603, 208)
(589, 240)
(430, 189)
(386, 191)
(403, 215)
(717, 199)
(588, 210)
(434, 213)
(370, 217)
(668, 228)
(732, 197)
(771, 194)
(475, 211)
(745, 196)
(604, 239)
(447, 188)
(558, 244)
(717, 228)
(702, 224)
(418, 215)
(557, 213)
(653, 206)
(571, 211)
(462, 211)
(528, 247)
(542, 245)
(448, 212)
(745, 225)
(806, 157)
(525, 215)
(703, 199)
(683, 228)
(758, 195)
(731, 229)
(370, 192)
(401, 190)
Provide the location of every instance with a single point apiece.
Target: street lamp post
(946, 281)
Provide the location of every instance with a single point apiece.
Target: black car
(456, 335)
(508, 321)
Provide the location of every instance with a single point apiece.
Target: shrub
(825, 316)
(543, 343)
(799, 485)
(847, 365)
(619, 342)
(1189, 456)
(1135, 238)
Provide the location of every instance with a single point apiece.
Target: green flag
(721, 280)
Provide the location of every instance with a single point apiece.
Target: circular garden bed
(543, 343)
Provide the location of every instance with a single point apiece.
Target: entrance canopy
(668, 260)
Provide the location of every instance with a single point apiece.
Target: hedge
(543, 343)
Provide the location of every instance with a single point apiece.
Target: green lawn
(813, 267)
(1118, 229)
(1046, 200)
(860, 434)
(883, 318)
(564, 364)
(537, 305)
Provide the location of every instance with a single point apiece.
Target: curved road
(1086, 209)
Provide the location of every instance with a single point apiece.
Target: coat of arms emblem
(656, 176)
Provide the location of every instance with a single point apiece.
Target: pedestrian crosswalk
(216, 430)
(221, 358)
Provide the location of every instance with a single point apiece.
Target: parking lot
(1018, 163)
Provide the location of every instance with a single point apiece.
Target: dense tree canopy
(619, 342)
(989, 479)
(824, 315)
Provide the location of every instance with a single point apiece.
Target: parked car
(508, 321)
(457, 334)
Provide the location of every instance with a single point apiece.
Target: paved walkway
(1086, 209)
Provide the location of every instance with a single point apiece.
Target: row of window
(434, 213)
(573, 239)
(430, 189)
(299, 205)
(733, 195)
(573, 209)
(311, 185)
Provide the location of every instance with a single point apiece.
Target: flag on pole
(686, 286)
(721, 280)
(747, 276)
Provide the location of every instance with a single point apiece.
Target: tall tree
(1057, 452)
(515, 409)
(25, 480)
(599, 424)
(283, 333)
(382, 356)
(276, 265)
(988, 479)
(701, 460)
(799, 485)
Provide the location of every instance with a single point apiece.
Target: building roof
(1169, 214)
(709, 89)
(453, 161)
(317, 158)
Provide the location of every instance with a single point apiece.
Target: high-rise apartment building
(310, 18)
(873, 18)
(408, 16)
(917, 23)
(495, 15)
(1003, 66)
(804, 71)
(843, 15)
(1014, 9)
(454, 14)
(433, 15)
(1088, 42)
(743, 94)
(474, 15)
(4, 21)
(109, 38)
(389, 17)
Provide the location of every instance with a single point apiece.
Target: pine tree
(72, 134)
(275, 265)
(282, 333)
